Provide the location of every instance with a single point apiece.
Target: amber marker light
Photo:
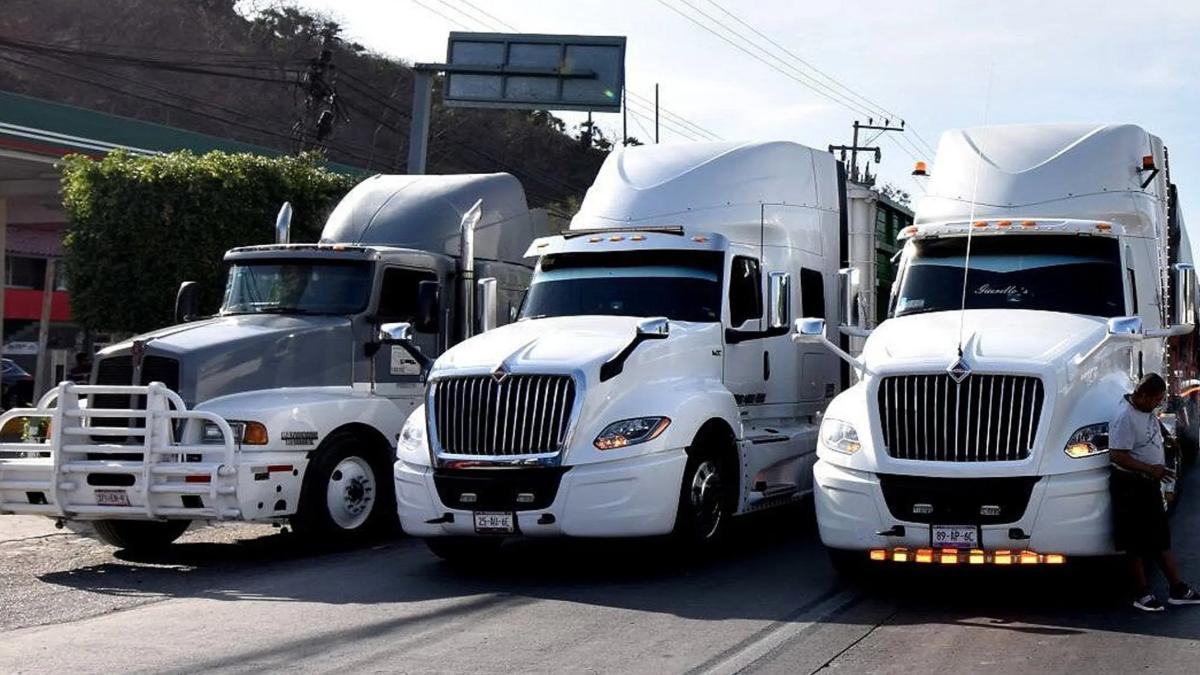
(255, 434)
(638, 237)
(593, 240)
(900, 555)
(1002, 558)
(878, 554)
(1147, 162)
(979, 223)
(616, 237)
(1004, 224)
(949, 557)
(1030, 558)
(700, 239)
(1055, 559)
(924, 555)
(1104, 227)
(977, 557)
(1028, 224)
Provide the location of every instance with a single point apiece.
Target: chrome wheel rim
(705, 497)
(350, 493)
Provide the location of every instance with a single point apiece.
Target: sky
(938, 64)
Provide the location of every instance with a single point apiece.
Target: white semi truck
(649, 385)
(285, 406)
(1046, 270)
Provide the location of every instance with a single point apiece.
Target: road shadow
(772, 564)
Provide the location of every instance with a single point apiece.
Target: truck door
(396, 371)
(743, 355)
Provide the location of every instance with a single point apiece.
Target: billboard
(543, 72)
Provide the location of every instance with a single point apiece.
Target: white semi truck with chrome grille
(649, 385)
(285, 406)
(1046, 270)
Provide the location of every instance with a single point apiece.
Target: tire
(348, 497)
(140, 535)
(705, 502)
(459, 550)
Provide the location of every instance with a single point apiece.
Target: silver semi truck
(284, 406)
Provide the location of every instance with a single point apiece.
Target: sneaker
(1184, 595)
(1148, 603)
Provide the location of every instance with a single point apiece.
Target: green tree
(138, 226)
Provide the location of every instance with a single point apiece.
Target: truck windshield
(682, 286)
(297, 287)
(1071, 274)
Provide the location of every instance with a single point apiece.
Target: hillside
(203, 66)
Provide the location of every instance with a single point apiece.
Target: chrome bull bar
(87, 470)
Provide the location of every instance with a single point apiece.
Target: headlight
(840, 436)
(1088, 441)
(631, 432)
(412, 436)
(248, 433)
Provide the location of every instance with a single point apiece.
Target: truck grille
(986, 418)
(521, 415)
(118, 370)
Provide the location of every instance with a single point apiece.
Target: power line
(470, 17)
(664, 123)
(887, 114)
(796, 73)
(453, 22)
(475, 7)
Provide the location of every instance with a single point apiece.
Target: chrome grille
(986, 418)
(521, 415)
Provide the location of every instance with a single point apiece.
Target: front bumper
(631, 497)
(1068, 514)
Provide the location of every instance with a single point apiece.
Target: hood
(230, 354)
(561, 344)
(988, 335)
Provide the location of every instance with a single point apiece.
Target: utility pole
(42, 379)
(655, 113)
(854, 148)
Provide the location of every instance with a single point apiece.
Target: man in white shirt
(1135, 443)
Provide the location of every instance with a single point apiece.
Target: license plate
(954, 536)
(112, 498)
(492, 522)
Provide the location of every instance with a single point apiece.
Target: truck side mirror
(809, 331)
(186, 302)
(400, 332)
(657, 328)
(1125, 327)
(429, 306)
(487, 304)
(1184, 311)
(779, 299)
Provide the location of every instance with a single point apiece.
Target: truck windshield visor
(297, 287)
(1070, 274)
(682, 286)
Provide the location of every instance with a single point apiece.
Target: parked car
(17, 387)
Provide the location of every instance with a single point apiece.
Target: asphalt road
(246, 599)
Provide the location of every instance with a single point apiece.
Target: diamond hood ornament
(958, 370)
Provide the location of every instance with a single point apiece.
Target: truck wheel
(347, 494)
(140, 535)
(456, 550)
(704, 504)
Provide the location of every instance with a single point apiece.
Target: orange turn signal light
(254, 434)
(920, 169)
